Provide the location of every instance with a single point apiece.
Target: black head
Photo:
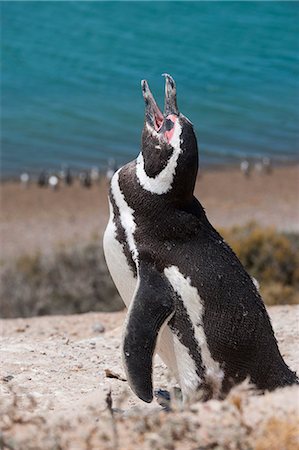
(168, 160)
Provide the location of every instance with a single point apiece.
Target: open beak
(153, 115)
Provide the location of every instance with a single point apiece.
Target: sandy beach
(37, 219)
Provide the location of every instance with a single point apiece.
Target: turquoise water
(71, 76)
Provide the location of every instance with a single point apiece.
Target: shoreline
(203, 167)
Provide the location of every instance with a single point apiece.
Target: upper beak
(153, 115)
(170, 104)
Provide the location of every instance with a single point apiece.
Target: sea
(71, 72)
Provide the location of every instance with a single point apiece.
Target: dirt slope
(54, 388)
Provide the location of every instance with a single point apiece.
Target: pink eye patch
(170, 123)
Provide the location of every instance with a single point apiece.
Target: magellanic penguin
(189, 297)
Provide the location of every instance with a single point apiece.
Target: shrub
(271, 257)
(76, 279)
(73, 280)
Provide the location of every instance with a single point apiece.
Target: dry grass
(71, 280)
(76, 279)
(279, 434)
(271, 257)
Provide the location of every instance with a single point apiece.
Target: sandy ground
(36, 219)
(54, 381)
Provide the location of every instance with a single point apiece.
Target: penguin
(53, 182)
(189, 298)
(68, 177)
(245, 167)
(43, 179)
(267, 165)
(25, 179)
(95, 174)
(85, 179)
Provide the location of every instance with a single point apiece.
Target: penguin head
(168, 161)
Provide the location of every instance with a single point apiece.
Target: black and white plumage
(245, 167)
(25, 179)
(66, 176)
(43, 178)
(85, 179)
(188, 296)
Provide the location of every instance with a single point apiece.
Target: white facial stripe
(195, 310)
(162, 182)
(126, 215)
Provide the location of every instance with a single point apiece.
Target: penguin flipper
(152, 306)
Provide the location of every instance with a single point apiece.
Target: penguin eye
(169, 124)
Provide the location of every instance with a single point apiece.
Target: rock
(98, 327)
(7, 378)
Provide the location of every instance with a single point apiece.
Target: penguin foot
(163, 398)
(167, 400)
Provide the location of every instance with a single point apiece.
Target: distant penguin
(68, 177)
(188, 296)
(42, 180)
(25, 179)
(53, 182)
(245, 167)
(267, 165)
(85, 179)
(95, 174)
(65, 176)
(259, 167)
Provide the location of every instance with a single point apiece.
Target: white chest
(117, 263)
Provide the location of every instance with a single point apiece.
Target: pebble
(98, 327)
(7, 378)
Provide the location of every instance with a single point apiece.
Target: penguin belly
(126, 283)
(117, 263)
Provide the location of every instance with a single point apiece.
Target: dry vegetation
(75, 279)
(241, 422)
(270, 257)
(70, 280)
